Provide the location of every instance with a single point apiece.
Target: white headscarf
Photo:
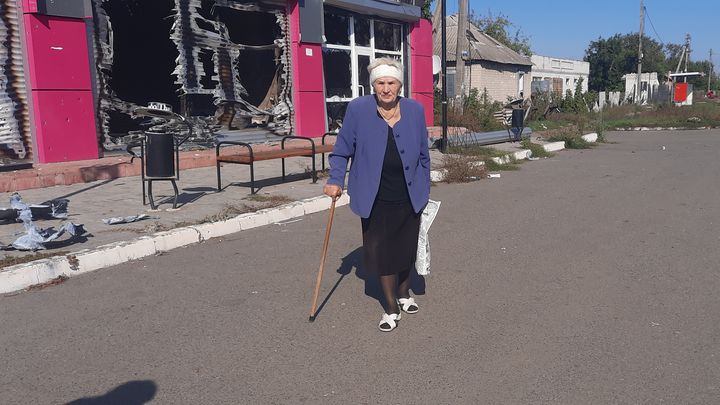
(386, 71)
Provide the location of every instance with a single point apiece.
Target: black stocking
(389, 285)
(404, 286)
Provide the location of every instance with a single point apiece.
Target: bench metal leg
(252, 179)
(219, 185)
(176, 193)
(283, 169)
(150, 196)
(314, 170)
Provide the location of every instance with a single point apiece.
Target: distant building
(649, 86)
(489, 66)
(558, 75)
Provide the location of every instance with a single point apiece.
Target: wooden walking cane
(322, 260)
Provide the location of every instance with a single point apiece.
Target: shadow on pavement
(130, 393)
(267, 182)
(372, 282)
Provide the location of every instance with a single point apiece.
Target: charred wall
(15, 137)
(224, 63)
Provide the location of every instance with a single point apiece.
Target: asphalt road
(587, 278)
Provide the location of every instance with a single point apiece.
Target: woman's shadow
(354, 260)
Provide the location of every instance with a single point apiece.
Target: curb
(21, 276)
(662, 128)
(438, 175)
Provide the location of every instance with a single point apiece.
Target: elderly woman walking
(389, 181)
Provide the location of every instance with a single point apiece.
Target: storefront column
(58, 62)
(307, 74)
(421, 51)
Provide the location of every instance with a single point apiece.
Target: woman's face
(387, 89)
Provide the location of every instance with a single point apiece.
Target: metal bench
(249, 156)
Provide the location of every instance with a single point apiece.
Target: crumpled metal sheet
(14, 114)
(40, 238)
(125, 220)
(53, 209)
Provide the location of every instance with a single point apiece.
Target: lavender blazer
(363, 137)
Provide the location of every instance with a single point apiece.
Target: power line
(653, 27)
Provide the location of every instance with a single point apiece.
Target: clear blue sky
(565, 28)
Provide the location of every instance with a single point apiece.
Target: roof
(482, 46)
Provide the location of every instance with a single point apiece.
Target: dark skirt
(390, 237)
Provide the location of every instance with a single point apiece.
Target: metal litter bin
(160, 150)
(517, 124)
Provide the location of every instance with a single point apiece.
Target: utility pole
(640, 54)
(443, 74)
(460, 52)
(711, 70)
(687, 51)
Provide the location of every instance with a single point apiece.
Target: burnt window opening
(143, 57)
(223, 62)
(338, 74)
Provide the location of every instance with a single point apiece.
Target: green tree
(616, 56)
(503, 30)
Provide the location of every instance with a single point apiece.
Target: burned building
(232, 66)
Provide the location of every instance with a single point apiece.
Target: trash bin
(160, 155)
(516, 123)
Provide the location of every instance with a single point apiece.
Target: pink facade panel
(310, 113)
(421, 38)
(421, 50)
(308, 89)
(426, 99)
(309, 67)
(30, 6)
(422, 74)
(57, 53)
(64, 125)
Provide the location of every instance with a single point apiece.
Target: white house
(558, 75)
(490, 66)
(649, 86)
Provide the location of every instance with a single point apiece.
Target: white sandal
(408, 305)
(390, 320)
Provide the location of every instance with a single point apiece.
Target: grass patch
(494, 166)
(462, 169)
(536, 149)
(269, 199)
(8, 261)
(572, 141)
(481, 152)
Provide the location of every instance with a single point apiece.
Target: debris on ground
(493, 175)
(39, 238)
(55, 281)
(126, 220)
(52, 209)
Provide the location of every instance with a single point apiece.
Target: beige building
(489, 65)
(559, 75)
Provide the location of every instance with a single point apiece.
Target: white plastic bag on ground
(422, 262)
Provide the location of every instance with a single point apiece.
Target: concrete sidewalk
(202, 213)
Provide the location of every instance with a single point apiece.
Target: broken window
(352, 42)
(338, 76)
(388, 36)
(223, 63)
(362, 31)
(336, 29)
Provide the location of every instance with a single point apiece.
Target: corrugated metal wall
(15, 136)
